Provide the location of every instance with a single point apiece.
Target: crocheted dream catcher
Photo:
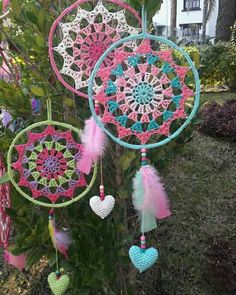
(143, 100)
(82, 33)
(42, 168)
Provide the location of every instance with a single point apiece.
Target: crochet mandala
(144, 93)
(85, 35)
(46, 164)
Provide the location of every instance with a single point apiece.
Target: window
(191, 5)
(160, 30)
(191, 31)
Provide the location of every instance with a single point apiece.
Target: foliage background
(99, 262)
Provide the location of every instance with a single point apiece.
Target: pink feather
(17, 261)
(5, 5)
(94, 141)
(63, 242)
(155, 198)
(60, 239)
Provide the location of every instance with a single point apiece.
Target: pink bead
(143, 150)
(101, 187)
(143, 247)
(144, 159)
(143, 238)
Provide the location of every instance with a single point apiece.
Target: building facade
(189, 20)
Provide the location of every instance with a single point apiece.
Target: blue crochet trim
(111, 88)
(118, 71)
(137, 127)
(176, 100)
(153, 125)
(112, 106)
(122, 120)
(151, 59)
(133, 60)
(167, 115)
(176, 83)
(167, 68)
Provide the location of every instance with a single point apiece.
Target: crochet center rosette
(149, 93)
(42, 164)
(82, 33)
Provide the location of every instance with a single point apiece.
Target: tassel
(94, 142)
(60, 239)
(17, 261)
(149, 197)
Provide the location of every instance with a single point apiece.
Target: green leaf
(5, 178)
(16, 251)
(126, 159)
(11, 213)
(16, 8)
(38, 91)
(152, 7)
(32, 258)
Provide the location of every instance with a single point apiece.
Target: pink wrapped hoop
(90, 41)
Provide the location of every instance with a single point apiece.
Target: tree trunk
(204, 21)
(173, 20)
(226, 18)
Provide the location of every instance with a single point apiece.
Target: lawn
(218, 97)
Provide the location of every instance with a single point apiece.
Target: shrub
(218, 64)
(219, 120)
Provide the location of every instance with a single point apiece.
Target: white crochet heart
(102, 207)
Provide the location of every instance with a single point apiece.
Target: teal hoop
(163, 40)
(11, 172)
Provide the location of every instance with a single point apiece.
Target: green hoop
(11, 172)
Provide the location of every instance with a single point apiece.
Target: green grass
(201, 187)
(219, 97)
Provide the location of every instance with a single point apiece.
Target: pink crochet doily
(5, 202)
(144, 94)
(46, 164)
(84, 35)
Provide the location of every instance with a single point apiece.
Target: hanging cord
(51, 228)
(102, 191)
(101, 170)
(144, 19)
(49, 109)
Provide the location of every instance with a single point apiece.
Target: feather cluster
(149, 197)
(94, 141)
(60, 239)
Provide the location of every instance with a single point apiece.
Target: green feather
(148, 221)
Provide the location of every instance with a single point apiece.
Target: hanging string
(102, 191)
(49, 109)
(101, 170)
(51, 228)
(144, 20)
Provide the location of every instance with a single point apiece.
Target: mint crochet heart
(143, 259)
(58, 285)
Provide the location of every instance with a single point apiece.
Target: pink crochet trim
(90, 40)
